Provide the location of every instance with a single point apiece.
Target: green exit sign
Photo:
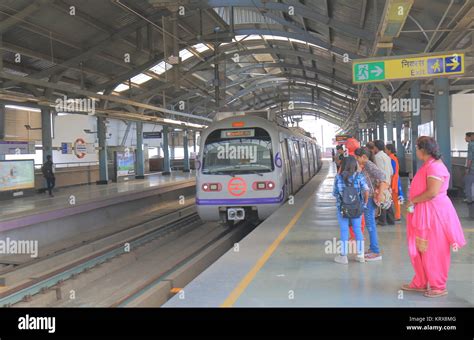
(368, 71)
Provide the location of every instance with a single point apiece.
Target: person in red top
(352, 145)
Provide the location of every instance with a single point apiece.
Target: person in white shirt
(384, 163)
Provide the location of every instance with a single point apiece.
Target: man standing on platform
(48, 174)
(384, 163)
(469, 175)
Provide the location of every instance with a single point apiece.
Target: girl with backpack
(352, 194)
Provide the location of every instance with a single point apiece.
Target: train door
(296, 168)
(318, 156)
(286, 165)
(304, 161)
(312, 169)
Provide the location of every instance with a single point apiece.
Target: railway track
(179, 236)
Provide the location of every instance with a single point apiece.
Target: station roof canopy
(269, 53)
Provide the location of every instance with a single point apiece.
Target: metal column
(400, 148)
(381, 130)
(194, 141)
(46, 135)
(442, 120)
(172, 144)
(103, 166)
(415, 121)
(185, 151)
(166, 152)
(389, 129)
(140, 158)
(2, 122)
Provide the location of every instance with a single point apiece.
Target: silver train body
(248, 166)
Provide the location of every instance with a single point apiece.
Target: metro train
(248, 166)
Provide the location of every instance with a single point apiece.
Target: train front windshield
(237, 152)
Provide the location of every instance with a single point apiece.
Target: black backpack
(351, 203)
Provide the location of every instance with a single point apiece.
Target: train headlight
(263, 185)
(211, 187)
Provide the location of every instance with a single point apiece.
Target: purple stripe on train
(221, 201)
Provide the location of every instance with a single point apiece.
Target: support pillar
(103, 166)
(381, 126)
(2, 123)
(140, 174)
(46, 135)
(185, 151)
(415, 121)
(389, 129)
(443, 121)
(400, 148)
(166, 152)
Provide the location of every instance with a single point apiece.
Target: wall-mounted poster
(125, 163)
(426, 129)
(17, 174)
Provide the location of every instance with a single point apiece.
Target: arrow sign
(453, 64)
(408, 67)
(378, 71)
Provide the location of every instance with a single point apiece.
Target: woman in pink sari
(432, 223)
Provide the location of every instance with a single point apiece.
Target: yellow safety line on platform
(235, 294)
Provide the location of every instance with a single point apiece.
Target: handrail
(70, 164)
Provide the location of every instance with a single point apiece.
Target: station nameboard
(152, 135)
(407, 67)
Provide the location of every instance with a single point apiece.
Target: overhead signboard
(407, 67)
(152, 135)
(342, 138)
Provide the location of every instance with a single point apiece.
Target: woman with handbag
(377, 198)
(431, 231)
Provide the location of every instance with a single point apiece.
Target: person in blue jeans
(350, 176)
(375, 178)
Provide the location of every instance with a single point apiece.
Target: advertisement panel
(125, 163)
(17, 175)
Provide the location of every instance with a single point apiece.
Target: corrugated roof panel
(243, 16)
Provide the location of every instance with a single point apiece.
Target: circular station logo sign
(80, 148)
(237, 186)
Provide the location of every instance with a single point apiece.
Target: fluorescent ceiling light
(24, 108)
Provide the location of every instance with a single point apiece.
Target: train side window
(303, 150)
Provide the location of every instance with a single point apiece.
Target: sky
(324, 131)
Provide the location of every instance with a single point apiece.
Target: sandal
(407, 287)
(436, 293)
